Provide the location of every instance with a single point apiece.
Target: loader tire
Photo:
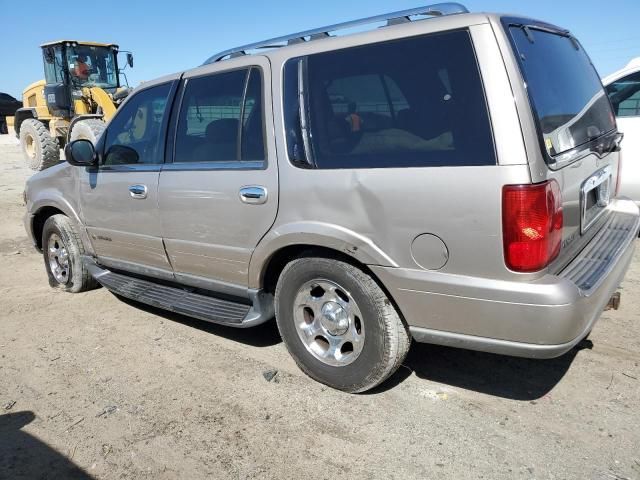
(89, 129)
(39, 148)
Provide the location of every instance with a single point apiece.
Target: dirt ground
(94, 387)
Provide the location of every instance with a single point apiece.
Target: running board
(185, 300)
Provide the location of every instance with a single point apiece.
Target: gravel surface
(92, 386)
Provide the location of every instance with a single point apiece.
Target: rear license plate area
(595, 197)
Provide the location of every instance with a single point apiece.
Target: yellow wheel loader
(80, 92)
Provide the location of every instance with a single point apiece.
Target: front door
(119, 199)
(219, 196)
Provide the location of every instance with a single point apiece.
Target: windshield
(565, 91)
(92, 66)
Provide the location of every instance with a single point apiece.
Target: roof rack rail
(393, 18)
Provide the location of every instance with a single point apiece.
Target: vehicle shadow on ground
(265, 335)
(497, 375)
(24, 456)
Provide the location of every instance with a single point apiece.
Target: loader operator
(81, 69)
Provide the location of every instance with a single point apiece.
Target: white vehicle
(623, 88)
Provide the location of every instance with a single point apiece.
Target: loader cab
(70, 66)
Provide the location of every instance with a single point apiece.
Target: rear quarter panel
(383, 210)
(570, 177)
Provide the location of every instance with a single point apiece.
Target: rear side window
(625, 95)
(415, 102)
(565, 90)
(220, 119)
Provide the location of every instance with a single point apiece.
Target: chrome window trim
(130, 168)
(229, 165)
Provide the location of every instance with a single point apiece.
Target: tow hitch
(614, 302)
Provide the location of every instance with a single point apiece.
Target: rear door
(119, 199)
(219, 195)
(577, 133)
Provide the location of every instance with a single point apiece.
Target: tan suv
(450, 177)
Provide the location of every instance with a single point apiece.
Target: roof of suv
(438, 17)
(392, 18)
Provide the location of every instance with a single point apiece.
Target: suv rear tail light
(531, 225)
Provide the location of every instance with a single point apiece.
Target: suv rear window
(564, 88)
(415, 102)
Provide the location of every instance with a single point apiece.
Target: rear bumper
(541, 319)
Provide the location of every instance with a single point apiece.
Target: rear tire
(314, 298)
(3, 127)
(40, 150)
(62, 250)
(90, 129)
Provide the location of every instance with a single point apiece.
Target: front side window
(134, 134)
(415, 102)
(625, 95)
(220, 119)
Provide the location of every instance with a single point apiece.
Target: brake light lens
(531, 225)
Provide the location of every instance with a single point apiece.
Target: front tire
(338, 324)
(62, 250)
(39, 148)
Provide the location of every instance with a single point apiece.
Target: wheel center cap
(334, 318)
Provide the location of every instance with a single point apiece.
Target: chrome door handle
(138, 191)
(253, 194)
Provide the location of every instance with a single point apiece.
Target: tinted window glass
(134, 135)
(406, 103)
(564, 88)
(369, 94)
(212, 115)
(625, 95)
(53, 65)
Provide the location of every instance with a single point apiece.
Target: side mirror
(130, 59)
(80, 153)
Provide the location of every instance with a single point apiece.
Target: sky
(170, 36)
